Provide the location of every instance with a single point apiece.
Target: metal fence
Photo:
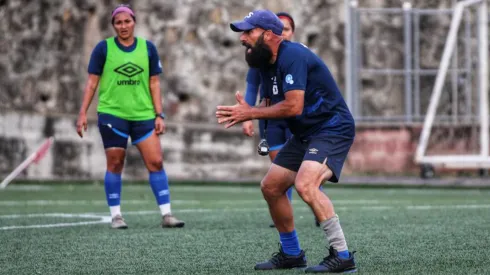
(460, 82)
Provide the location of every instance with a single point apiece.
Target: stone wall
(200, 152)
(390, 150)
(45, 46)
(191, 151)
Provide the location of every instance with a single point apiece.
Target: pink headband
(122, 9)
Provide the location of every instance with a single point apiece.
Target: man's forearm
(282, 109)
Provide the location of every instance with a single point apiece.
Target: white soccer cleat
(169, 221)
(118, 223)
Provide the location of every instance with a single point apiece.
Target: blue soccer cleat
(334, 264)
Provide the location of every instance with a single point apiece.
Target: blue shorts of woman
(115, 131)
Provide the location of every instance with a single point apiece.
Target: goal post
(481, 160)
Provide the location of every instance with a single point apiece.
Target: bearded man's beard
(258, 56)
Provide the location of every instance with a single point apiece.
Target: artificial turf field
(64, 229)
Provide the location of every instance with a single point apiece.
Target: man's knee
(306, 190)
(270, 189)
(277, 181)
(310, 177)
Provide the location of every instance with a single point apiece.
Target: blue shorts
(334, 148)
(277, 133)
(115, 131)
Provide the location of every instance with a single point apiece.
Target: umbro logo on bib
(129, 69)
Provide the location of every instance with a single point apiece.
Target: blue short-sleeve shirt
(298, 68)
(99, 54)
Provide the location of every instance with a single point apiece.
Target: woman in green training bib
(126, 69)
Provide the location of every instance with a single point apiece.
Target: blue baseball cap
(264, 19)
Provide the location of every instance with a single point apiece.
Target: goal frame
(477, 161)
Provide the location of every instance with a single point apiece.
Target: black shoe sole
(179, 225)
(345, 271)
(122, 227)
(296, 267)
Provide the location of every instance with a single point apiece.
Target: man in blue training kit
(277, 129)
(302, 90)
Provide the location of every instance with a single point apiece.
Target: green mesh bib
(124, 87)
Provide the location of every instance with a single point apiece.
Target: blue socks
(290, 193)
(344, 254)
(290, 243)
(158, 182)
(112, 184)
(159, 185)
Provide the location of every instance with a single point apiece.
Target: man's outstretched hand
(237, 113)
(248, 128)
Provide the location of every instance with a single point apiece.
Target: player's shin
(290, 254)
(113, 184)
(290, 243)
(281, 212)
(159, 186)
(335, 236)
(329, 221)
(282, 215)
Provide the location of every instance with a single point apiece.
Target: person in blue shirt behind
(302, 91)
(277, 129)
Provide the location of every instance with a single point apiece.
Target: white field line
(457, 206)
(84, 202)
(28, 187)
(205, 189)
(52, 215)
(69, 224)
(107, 219)
(231, 189)
(151, 201)
(100, 220)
